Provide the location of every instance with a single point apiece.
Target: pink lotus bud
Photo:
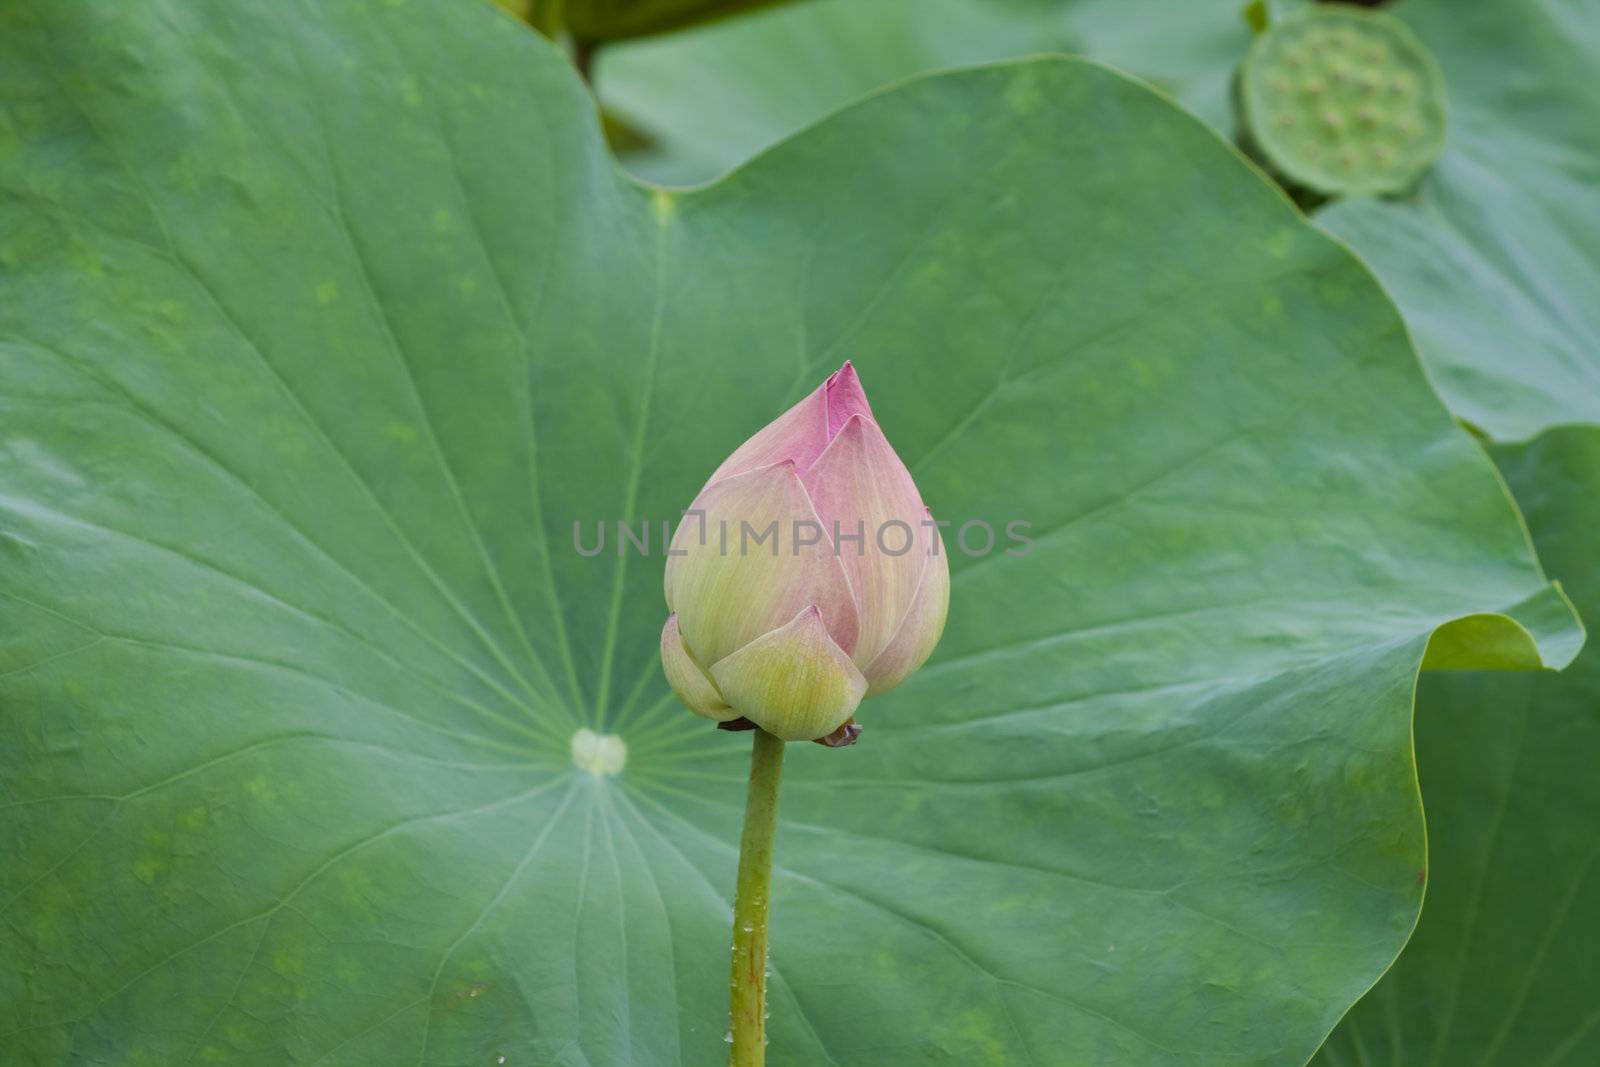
(806, 576)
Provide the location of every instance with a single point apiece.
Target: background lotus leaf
(1501, 969)
(711, 98)
(1495, 259)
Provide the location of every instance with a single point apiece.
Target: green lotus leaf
(1492, 261)
(1502, 969)
(711, 98)
(1496, 260)
(324, 742)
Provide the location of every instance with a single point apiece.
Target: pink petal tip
(845, 398)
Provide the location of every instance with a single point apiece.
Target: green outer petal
(793, 682)
(688, 679)
(727, 594)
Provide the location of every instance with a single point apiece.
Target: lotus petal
(742, 573)
(798, 435)
(918, 632)
(688, 679)
(794, 682)
(845, 398)
(859, 486)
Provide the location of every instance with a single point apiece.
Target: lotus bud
(806, 576)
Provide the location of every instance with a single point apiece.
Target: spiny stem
(748, 985)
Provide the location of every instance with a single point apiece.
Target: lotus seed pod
(1368, 116)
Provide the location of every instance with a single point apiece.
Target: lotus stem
(752, 893)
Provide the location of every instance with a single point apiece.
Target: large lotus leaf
(321, 325)
(1493, 260)
(711, 98)
(1502, 969)
(1496, 260)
